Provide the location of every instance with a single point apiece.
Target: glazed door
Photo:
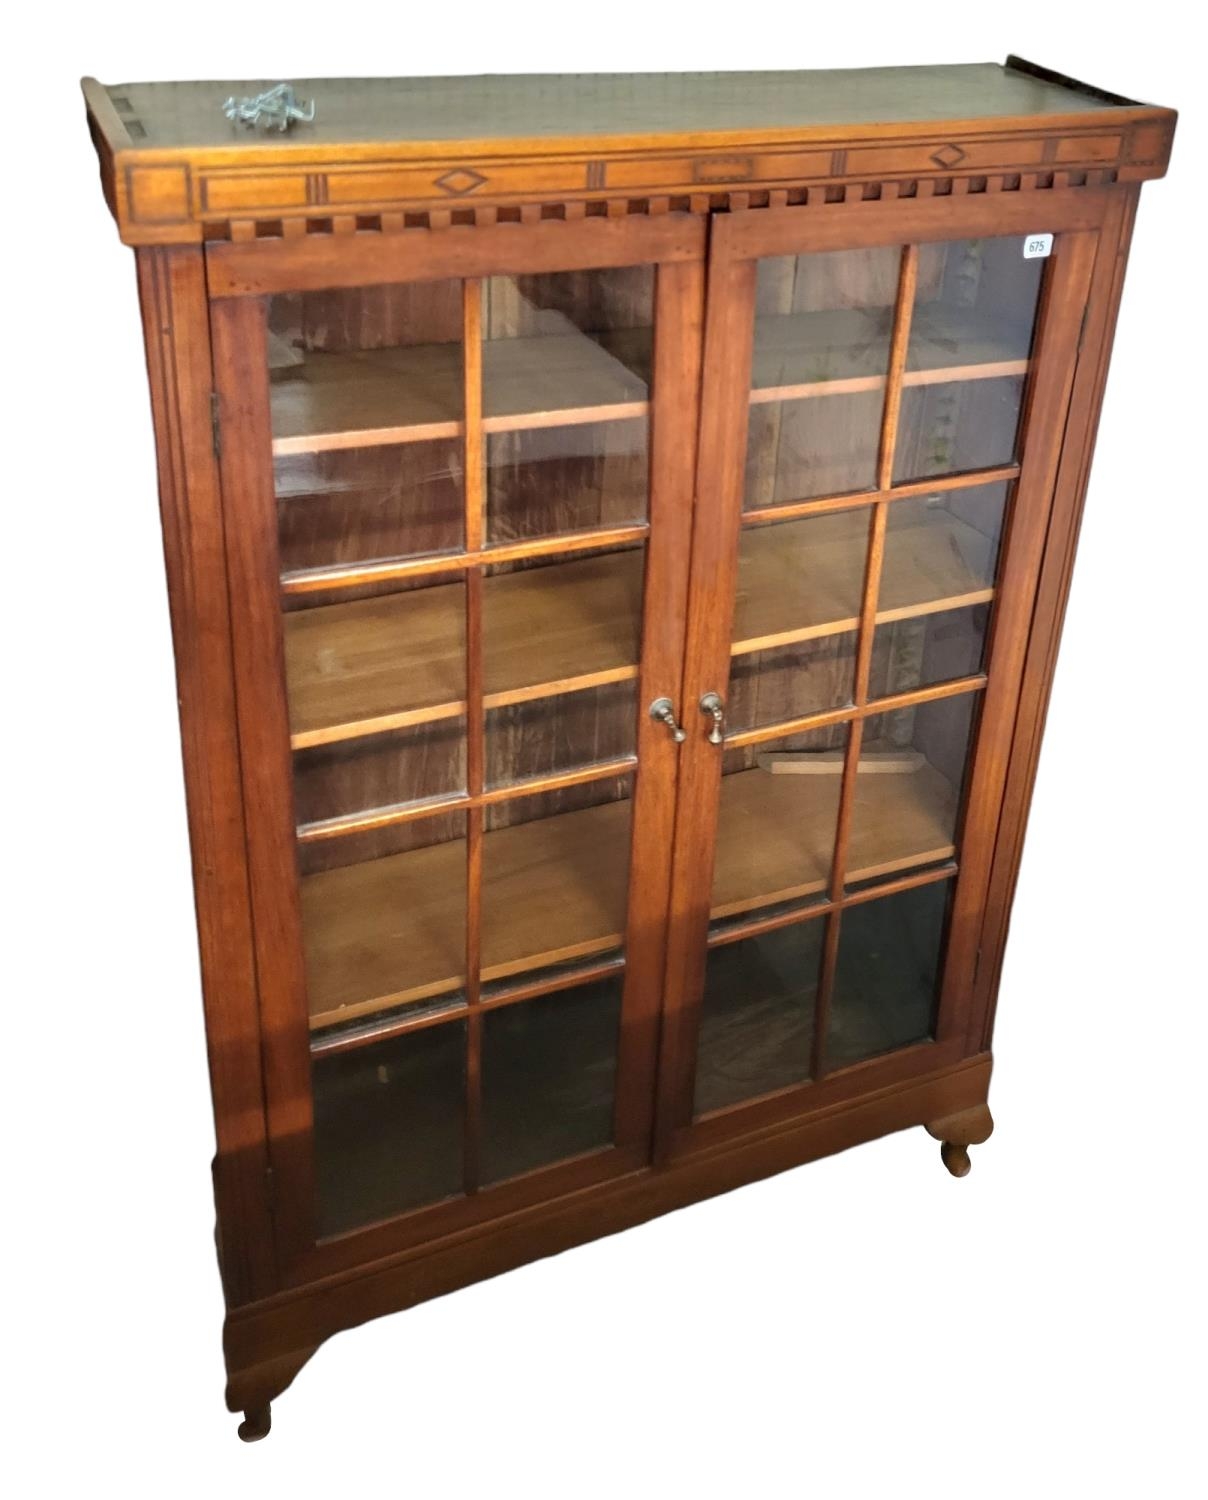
(883, 404)
(457, 481)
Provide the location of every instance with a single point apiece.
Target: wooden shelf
(775, 838)
(413, 394)
(560, 379)
(391, 930)
(399, 660)
(845, 352)
(800, 580)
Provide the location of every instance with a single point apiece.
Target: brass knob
(662, 710)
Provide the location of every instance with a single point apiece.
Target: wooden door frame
(736, 243)
(240, 276)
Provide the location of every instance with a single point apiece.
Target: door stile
(250, 517)
(728, 344)
(899, 340)
(1064, 300)
(172, 297)
(474, 450)
(678, 341)
(1076, 454)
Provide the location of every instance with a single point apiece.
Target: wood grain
(237, 331)
(175, 326)
(679, 297)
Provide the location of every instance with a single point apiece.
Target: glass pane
(776, 828)
(957, 427)
(757, 1019)
(918, 652)
(966, 362)
(909, 787)
(352, 505)
(367, 407)
(941, 558)
(555, 870)
(822, 332)
(561, 479)
(388, 1126)
(566, 385)
(976, 300)
(767, 687)
(565, 732)
(383, 919)
(374, 664)
(798, 450)
(380, 771)
(549, 1078)
(376, 690)
(796, 610)
(887, 974)
(561, 648)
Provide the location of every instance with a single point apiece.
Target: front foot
(256, 1423)
(956, 1133)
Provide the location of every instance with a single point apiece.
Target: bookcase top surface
(189, 116)
(176, 169)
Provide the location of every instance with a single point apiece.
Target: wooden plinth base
(267, 1343)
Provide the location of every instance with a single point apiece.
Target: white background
(864, 1326)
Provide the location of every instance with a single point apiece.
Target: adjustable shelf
(846, 352)
(413, 394)
(387, 663)
(554, 889)
(801, 580)
(398, 660)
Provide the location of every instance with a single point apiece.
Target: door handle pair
(663, 710)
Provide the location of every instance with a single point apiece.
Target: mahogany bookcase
(617, 531)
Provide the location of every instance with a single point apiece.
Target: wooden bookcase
(618, 531)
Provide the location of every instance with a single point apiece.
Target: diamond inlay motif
(948, 156)
(460, 181)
